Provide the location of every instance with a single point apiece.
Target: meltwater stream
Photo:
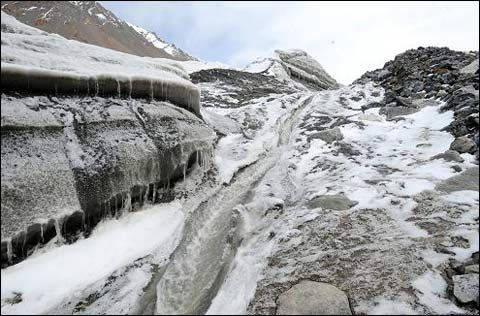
(211, 237)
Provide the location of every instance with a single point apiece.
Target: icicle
(41, 234)
(118, 89)
(56, 88)
(184, 171)
(97, 88)
(58, 230)
(83, 221)
(9, 251)
(130, 88)
(127, 203)
(154, 193)
(108, 208)
(24, 242)
(151, 90)
(161, 90)
(145, 196)
(88, 87)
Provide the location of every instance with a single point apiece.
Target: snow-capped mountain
(161, 44)
(90, 22)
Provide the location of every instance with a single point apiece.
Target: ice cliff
(87, 138)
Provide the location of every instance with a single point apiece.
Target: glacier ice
(88, 137)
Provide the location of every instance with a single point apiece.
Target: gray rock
(441, 93)
(404, 102)
(470, 68)
(465, 287)
(384, 73)
(336, 202)
(313, 298)
(467, 180)
(392, 111)
(463, 144)
(457, 168)
(329, 135)
(449, 155)
(473, 268)
(370, 117)
(371, 105)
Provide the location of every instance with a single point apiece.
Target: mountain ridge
(90, 22)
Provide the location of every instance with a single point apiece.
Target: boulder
(463, 144)
(465, 287)
(393, 111)
(372, 117)
(449, 155)
(336, 202)
(401, 101)
(313, 298)
(329, 135)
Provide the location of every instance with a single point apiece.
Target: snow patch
(45, 279)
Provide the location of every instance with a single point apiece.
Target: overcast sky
(346, 38)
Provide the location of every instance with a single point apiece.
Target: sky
(347, 38)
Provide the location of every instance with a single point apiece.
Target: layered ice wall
(70, 156)
(295, 68)
(304, 68)
(40, 62)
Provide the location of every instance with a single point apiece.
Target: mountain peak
(91, 23)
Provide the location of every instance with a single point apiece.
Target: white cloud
(347, 38)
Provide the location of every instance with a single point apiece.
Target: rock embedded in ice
(329, 135)
(465, 287)
(333, 202)
(463, 144)
(313, 298)
(449, 155)
(467, 180)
